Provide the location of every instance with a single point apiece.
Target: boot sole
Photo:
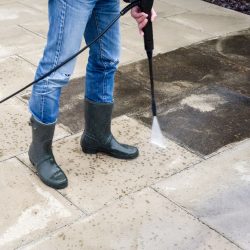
(95, 151)
(59, 186)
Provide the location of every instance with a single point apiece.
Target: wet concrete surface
(129, 96)
(193, 68)
(235, 48)
(71, 106)
(213, 72)
(206, 120)
(202, 93)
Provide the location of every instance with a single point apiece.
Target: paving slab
(143, 221)
(206, 120)
(29, 210)
(190, 5)
(129, 56)
(97, 180)
(39, 26)
(162, 8)
(218, 192)
(165, 9)
(14, 13)
(15, 74)
(213, 20)
(3, 2)
(175, 35)
(38, 5)
(235, 47)
(190, 65)
(129, 98)
(34, 57)
(15, 134)
(14, 39)
(72, 105)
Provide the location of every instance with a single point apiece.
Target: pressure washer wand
(146, 6)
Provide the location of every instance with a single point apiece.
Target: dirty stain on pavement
(202, 92)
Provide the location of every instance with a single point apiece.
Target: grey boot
(97, 136)
(41, 155)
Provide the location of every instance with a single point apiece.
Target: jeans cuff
(38, 120)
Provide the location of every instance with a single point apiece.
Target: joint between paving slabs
(32, 32)
(83, 212)
(181, 13)
(47, 235)
(27, 5)
(191, 27)
(109, 203)
(197, 218)
(22, 58)
(11, 157)
(86, 214)
(226, 148)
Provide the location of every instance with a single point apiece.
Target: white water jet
(157, 137)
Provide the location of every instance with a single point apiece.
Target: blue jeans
(69, 21)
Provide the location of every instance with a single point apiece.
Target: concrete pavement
(192, 195)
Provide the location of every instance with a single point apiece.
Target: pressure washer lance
(122, 13)
(156, 136)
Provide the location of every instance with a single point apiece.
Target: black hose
(122, 12)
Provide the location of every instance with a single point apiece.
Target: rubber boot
(97, 136)
(41, 155)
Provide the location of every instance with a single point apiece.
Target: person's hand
(141, 17)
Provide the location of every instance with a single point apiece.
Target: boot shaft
(42, 132)
(98, 119)
(42, 137)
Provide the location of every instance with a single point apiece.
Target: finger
(135, 9)
(140, 19)
(136, 12)
(153, 15)
(141, 32)
(143, 24)
(137, 15)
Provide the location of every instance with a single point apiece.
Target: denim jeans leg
(104, 54)
(67, 22)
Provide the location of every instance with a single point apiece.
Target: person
(69, 21)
